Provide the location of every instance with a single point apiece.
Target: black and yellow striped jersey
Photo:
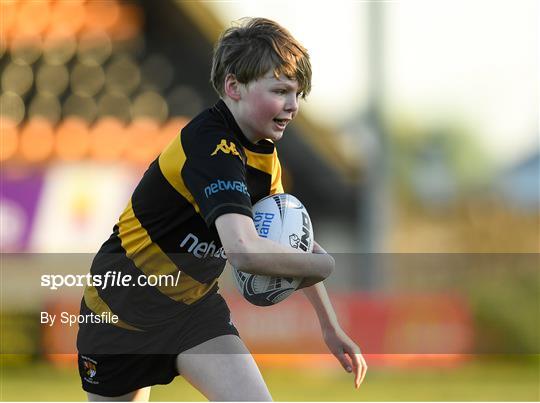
(167, 228)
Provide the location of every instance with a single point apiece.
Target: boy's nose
(292, 103)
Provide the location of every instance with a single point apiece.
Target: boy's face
(266, 106)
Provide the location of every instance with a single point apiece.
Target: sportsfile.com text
(110, 279)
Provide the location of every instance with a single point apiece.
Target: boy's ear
(232, 87)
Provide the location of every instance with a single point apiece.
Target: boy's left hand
(347, 353)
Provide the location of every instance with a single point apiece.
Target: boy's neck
(231, 104)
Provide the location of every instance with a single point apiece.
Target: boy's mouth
(281, 123)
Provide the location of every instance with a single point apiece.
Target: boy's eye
(280, 92)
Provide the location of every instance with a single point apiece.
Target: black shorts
(145, 358)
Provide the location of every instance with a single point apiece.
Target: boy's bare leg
(222, 369)
(141, 395)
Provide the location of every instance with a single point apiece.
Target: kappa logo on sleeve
(226, 148)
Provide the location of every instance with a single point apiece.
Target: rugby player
(191, 212)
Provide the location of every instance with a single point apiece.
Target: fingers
(359, 366)
(362, 373)
(344, 361)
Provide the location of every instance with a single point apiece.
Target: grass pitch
(494, 379)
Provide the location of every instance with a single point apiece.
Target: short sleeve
(215, 175)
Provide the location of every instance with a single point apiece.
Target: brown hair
(255, 46)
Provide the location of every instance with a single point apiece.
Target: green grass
(508, 379)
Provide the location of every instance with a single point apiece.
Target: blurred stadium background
(417, 155)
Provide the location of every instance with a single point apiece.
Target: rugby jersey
(210, 168)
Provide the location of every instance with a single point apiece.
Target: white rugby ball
(283, 219)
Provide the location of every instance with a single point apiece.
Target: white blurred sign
(80, 205)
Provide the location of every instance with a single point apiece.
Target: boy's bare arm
(343, 348)
(250, 253)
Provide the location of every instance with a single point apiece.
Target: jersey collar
(262, 147)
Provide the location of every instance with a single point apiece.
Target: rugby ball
(284, 219)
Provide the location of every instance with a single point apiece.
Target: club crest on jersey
(226, 148)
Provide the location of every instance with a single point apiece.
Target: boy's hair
(255, 46)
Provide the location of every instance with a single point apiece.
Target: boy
(177, 224)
